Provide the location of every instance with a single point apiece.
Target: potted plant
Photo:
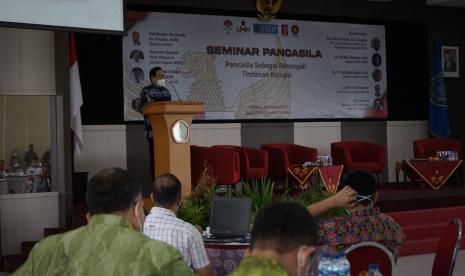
(195, 208)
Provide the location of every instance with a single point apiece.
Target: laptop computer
(229, 219)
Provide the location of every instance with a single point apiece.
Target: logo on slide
(243, 27)
(284, 29)
(265, 28)
(227, 26)
(295, 29)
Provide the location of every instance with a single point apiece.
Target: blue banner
(438, 109)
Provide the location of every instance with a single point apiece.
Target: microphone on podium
(175, 91)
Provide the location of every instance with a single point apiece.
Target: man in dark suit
(155, 92)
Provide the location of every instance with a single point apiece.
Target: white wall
(27, 64)
(104, 146)
(216, 134)
(23, 217)
(400, 137)
(317, 135)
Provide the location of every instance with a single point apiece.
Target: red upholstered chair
(424, 148)
(254, 162)
(446, 253)
(281, 156)
(225, 164)
(359, 155)
(360, 255)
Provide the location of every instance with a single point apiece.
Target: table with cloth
(225, 257)
(434, 172)
(329, 175)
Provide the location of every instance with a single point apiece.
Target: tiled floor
(422, 264)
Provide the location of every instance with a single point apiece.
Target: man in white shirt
(163, 225)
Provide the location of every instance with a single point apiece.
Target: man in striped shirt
(163, 225)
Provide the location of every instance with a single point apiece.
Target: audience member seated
(163, 225)
(365, 222)
(284, 235)
(283, 239)
(111, 243)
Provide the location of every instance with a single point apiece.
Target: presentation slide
(243, 68)
(105, 15)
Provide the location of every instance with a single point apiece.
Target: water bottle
(373, 270)
(332, 266)
(344, 265)
(335, 268)
(323, 264)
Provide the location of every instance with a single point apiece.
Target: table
(225, 257)
(435, 172)
(20, 184)
(329, 175)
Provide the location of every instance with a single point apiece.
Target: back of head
(166, 190)
(362, 181)
(283, 227)
(112, 190)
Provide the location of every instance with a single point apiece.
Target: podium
(171, 125)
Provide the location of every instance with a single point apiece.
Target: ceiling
(446, 3)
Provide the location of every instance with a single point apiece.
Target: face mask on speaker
(161, 82)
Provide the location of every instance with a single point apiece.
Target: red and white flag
(75, 96)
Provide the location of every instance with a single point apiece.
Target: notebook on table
(229, 219)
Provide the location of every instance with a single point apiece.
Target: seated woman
(364, 222)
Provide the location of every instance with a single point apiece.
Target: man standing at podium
(155, 92)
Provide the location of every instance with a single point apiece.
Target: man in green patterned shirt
(110, 244)
(283, 241)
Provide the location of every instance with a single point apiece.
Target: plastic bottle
(335, 267)
(373, 270)
(344, 265)
(323, 264)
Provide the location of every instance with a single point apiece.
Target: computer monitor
(230, 216)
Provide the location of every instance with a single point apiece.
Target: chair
(225, 165)
(282, 156)
(359, 155)
(424, 148)
(253, 162)
(446, 253)
(360, 255)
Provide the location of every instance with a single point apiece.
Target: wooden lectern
(171, 124)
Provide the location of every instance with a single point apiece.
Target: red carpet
(423, 228)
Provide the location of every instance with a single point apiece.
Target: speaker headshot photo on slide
(137, 74)
(136, 56)
(377, 75)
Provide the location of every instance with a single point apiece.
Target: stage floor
(392, 198)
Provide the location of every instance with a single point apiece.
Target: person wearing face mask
(364, 221)
(111, 243)
(163, 225)
(155, 92)
(283, 241)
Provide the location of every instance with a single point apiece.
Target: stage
(416, 196)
